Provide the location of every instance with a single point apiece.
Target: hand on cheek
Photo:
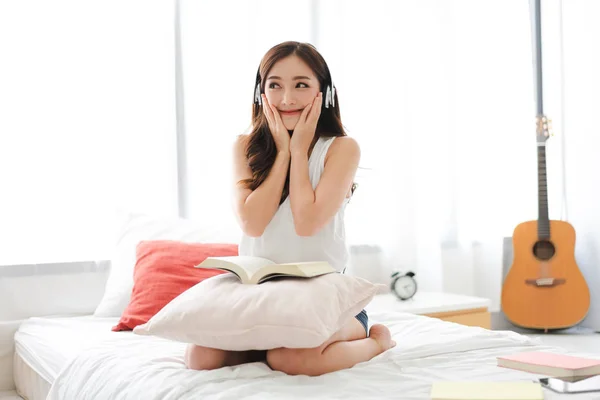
(304, 132)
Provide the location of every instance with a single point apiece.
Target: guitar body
(544, 288)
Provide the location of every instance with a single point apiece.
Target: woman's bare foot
(382, 336)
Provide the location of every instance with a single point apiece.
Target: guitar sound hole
(543, 250)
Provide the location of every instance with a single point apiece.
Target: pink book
(550, 364)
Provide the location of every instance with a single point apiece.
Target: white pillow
(223, 313)
(134, 228)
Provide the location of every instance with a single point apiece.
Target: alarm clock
(404, 286)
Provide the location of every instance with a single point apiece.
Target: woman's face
(291, 86)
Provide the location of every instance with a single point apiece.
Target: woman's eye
(301, 85)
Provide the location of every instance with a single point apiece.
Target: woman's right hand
(278, 129)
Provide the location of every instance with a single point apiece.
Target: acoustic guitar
(544, 288)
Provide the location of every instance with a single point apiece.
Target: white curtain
(87, 123)
(572, 101)
(440, 96)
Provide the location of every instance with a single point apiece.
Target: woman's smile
(290, 113)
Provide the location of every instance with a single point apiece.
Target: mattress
(43, 346)
(93, 363)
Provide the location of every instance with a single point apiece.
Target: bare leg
(346, 348)
(205, 358)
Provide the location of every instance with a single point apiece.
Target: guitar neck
(536, 24)
(543, 220)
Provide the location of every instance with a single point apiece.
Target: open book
(255, 270)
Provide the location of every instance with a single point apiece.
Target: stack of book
(564, 373)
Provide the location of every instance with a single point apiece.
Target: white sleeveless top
(280, 243)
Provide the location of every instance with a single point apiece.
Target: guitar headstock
(544, 125)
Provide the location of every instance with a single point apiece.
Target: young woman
(294, 175)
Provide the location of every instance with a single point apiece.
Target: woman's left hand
(304, 132)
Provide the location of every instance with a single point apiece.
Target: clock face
(405, 287)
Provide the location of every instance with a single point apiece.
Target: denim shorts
(363, 318)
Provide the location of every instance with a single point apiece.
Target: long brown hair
(261, 150)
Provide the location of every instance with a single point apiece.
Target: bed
(44, 345)
(80, 358)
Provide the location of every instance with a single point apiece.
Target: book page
(243, 266)
(308, 268)
(248, 263)
(301, 269)
(318, 267)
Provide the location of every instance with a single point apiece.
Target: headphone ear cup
(327, 97)
(333, 96)
(257, 93)
(257, 97)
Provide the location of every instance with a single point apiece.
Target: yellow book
(256, 270)
(486, 391)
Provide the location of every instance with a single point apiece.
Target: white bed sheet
(128, 366)
(46, 344)
(43, 346)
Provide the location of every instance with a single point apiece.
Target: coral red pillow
(163, 270)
